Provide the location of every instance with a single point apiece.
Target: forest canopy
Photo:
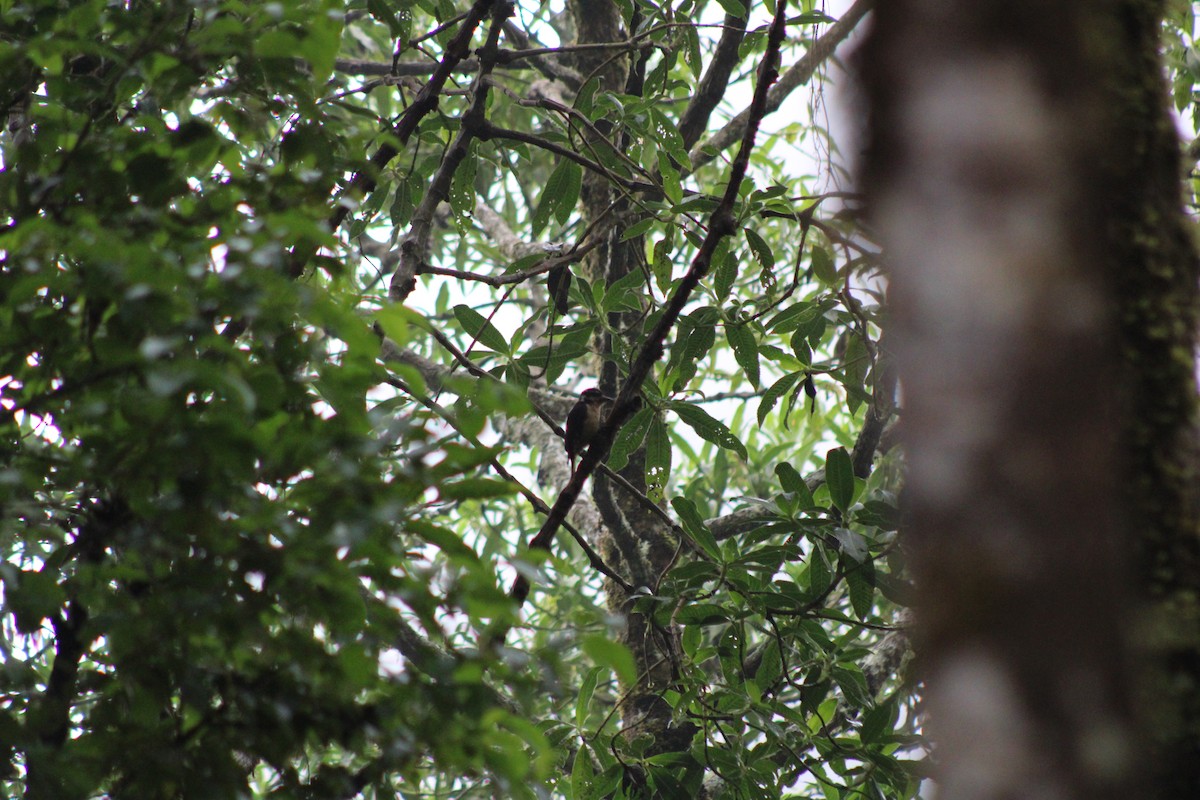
(295, 298)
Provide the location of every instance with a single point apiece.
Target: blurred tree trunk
(1158, 282)
(1023, 171)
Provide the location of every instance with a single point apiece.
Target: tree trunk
(1157, 279)
(1024, 177)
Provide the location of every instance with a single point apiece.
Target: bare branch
(549, 66)
(490, 131)
(797, 75)
(402, 69)
(712, 87)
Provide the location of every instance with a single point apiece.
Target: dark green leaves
(690, 519)
(709, 428)
(823, 266)
(480, 328)
(560, 195)
(774, 392)
(630, 438)
(839, 474)
(695, 334)
(794, 484)
(658, 459)
(762, 251)
(745, 350)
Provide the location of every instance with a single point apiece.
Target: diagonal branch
(721, 224)
(797, 75)
(548, 65)
(712, 86)
(489, 131)
(415, 246)
(539, 505)
(426, 101)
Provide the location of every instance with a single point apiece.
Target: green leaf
(850, 680)
(638, 228)
(668, 138)
(762, 251)
(856, 361)
(572, 180)
(702, 614)
(559, 197)
(691, 522)
(839, 475)
(614, 655)
(320, 44)
(582, 775)
(709, 428)
(629, 438)
(823, 266)
(399, 23)
(725, 270)
(700, 339)
(395, 319)
(476, 489)
(658, 459)
(672, 187)
(745, 350)
(553, 358)
(777, 390)
(878, 513)
(691, 50)
(770, 667)
(860, 578)
(462, 186)
(876, 721)
(479, 328)
(852, 543)
(820, 574)
(444, 539)
(663, 265)
(793, 317)
(625, 293)
(583, 702)
(793, 483)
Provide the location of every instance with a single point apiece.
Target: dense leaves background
(289, 292)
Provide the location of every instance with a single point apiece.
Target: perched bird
(583, 422)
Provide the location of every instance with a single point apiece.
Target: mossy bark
(1024, 172)
(1157, 289)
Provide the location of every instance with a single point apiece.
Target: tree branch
(489, 131)
(539, 505)
(721, 224)
(363, 181)
(712, 86)
(797, 75)
(415, 246)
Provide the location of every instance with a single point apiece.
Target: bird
(584, 421)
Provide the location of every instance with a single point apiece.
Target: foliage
(261, 504)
